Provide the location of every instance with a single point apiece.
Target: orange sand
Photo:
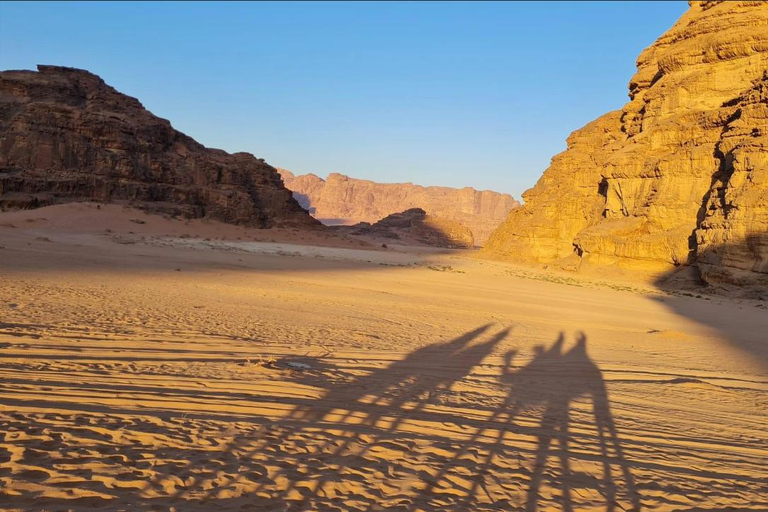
(147, 368)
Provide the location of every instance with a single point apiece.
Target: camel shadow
(546, 391)
(323, 448)
(329, 448)
(445, 428)
(373, 412)
(561, 377)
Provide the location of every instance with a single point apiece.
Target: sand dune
(149, 368)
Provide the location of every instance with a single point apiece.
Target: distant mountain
(339, 199)
(65, 136)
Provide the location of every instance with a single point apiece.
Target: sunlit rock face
(65, 135)
(564, 201)
(339, 199)
(676, 173)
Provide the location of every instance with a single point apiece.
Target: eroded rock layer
(732, 239)
(678, 175)
(65, 135)
(339, 199)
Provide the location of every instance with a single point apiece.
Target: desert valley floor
(149, 364)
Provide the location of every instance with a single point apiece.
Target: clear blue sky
(455, 94)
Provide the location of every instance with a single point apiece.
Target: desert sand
(154, 364)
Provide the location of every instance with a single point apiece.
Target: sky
(453, 94)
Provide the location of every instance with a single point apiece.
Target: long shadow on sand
(549, 384)
(362, 431)
(427, 432)
(340, 430)
(569, 376)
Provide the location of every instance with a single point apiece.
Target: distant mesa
(679, 175)
(67, 136)
(339, 199)
(413, 227)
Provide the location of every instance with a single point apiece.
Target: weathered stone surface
(65, 135)
(340, 199)
(679, 171)
(733, 236)
(564, 201)
(415, 225)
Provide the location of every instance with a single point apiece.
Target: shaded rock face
(340, 199)
(679, 171)
(732, 239)
(415, 225)
(65, 135)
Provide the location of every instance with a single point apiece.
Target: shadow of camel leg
(496, 447)
(633, 495)
(605, 420)
(542, 454)
(610, 486)
(565, 464)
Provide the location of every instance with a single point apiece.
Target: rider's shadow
(553, 381)
(564, 394)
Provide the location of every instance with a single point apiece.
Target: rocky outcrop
(306, 188)
(414, 226)
(566, 199)
(676, 173)
(340, 199)
(732, 239)
(65, 135)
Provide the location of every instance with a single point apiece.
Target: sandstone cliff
(732, 239)
(677, 174)
(340, 199)
(65, 135)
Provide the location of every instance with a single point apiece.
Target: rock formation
(679, 175)
(340, 199)
(415, 225)
(732, 239)
(65, 135)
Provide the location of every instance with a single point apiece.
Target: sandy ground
(147, 368)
